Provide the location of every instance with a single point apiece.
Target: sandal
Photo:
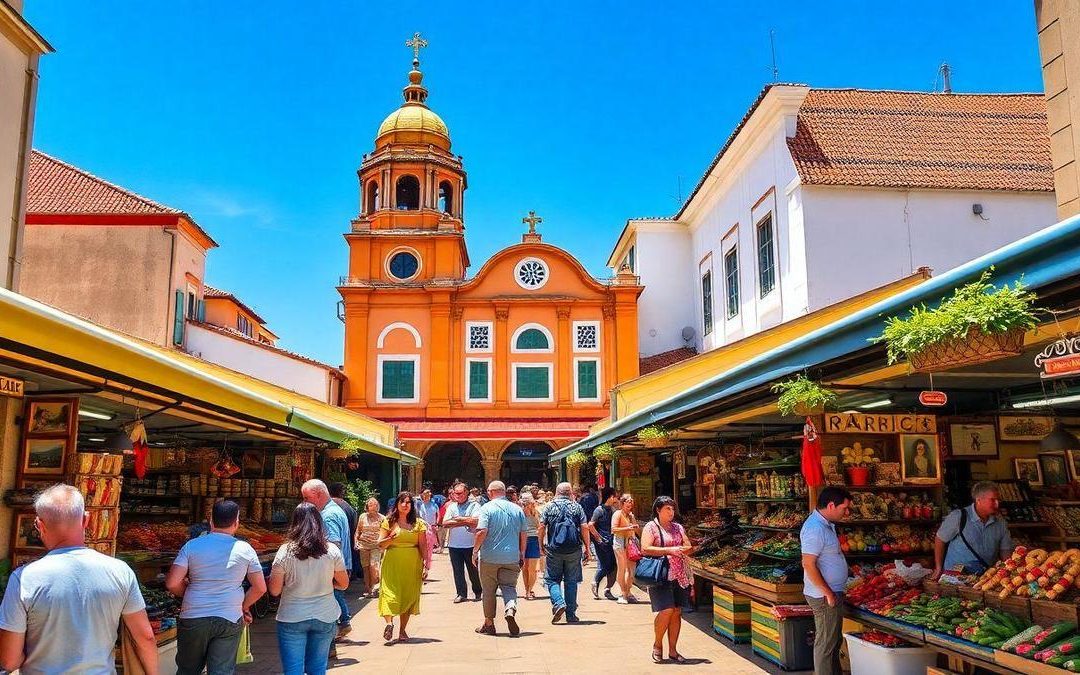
(388, 632)
(658, 655)
(486, 630)
(678, 658)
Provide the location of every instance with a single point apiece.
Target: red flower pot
(858, 475)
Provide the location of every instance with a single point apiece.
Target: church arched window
(532, 338)
(446, 197)
(372, 200)
(408, 193)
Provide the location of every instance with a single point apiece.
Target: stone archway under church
(526, 463)
(445, 462)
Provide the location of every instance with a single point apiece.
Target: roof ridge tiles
(146, 201)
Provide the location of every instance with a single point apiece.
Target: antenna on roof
(945, 71)
(772, 48)
(678, 190)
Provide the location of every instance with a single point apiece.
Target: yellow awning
(24, 321)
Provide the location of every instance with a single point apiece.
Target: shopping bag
(633, 549)
(243, 650)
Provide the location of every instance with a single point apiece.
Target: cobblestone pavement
(610, 638)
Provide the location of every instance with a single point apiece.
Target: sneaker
(623, 601)
(572, 618)
(557, 614)
(596, 590)
(458, 599)
(632, 599)
(608, 595)
(511, 623)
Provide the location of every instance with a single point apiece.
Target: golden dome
(413, 118)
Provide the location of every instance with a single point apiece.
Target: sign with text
(933, 399)
(1060, 358)
(9, 386)
(863, 423)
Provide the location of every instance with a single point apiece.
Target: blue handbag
(653, 571)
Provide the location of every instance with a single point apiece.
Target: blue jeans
(346, 618)
(305, 646)
(565, 569)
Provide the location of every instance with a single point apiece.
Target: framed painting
(26, 533)
(920, 462)
(975, 440)
(50, 416)
(1024, 427)
(44, 456)
(1029, 470)
(1055, 468)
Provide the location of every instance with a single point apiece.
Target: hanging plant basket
(653, 436)
(576, 459)
(805, 409)
(975, 347)
(605, 452)
(338, 453)
(801, 397)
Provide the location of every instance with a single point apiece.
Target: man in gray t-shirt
(209, 574)
(60, 614)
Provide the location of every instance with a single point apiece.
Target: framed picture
(1028, 469)
(707, 467)
(1074, 463)
(44, 456)
(26, 534)
(1024, 428)
(975, 440)
(1055, 468)
(252, 463)
(919, 459)
(18, 559)
(47, 416)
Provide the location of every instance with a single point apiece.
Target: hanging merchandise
(225, 467)
(601, 483)
(139, 447)
(811, 455)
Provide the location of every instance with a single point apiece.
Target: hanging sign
(863, 423)
(933, 399)
(1060, 358)
(9, 386)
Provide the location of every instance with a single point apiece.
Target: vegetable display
(1033, 574)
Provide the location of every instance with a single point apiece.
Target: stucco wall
(114, 276)
(250, 359)
(1059, 23)
(858, 239)
(13, 65)
(666, 306)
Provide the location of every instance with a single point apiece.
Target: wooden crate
(1022, 665)
(1020, 607)
(949, 590)
(1048, 612)
(931, 586)
(969, 593)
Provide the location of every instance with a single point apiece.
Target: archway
(447, 461)
(526, 462)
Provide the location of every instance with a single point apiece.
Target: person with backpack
(564, 539)
(974, 537)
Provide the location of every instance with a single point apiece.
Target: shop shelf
(772, 499)
(768, 467)
(1074, 538)
(871, 488)
(770, 556)
(892, 521)
(771, 529)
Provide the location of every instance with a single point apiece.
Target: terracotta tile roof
(923, 140)
(211, 292)
(648, 364)
(58, 187)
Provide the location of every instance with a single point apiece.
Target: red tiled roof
(923, 140)
(211, 292)
(648, 364)
(58, 187)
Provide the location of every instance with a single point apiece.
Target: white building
(822, 194)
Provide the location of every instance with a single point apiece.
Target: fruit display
(1034, 574)
(162, 608)
(780, 546)
(891, 539)
(1065, 518)
(727, 557)
(894, 506)
(875, 584)
(1021, 514)
(779, 516)
(260, 538)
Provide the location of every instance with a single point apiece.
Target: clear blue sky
(253, 116)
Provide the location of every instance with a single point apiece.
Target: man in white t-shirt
(460, 519)
(60, 614)
(209, 574)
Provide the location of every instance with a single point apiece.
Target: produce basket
(975, 347)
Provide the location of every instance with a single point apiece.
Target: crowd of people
(62, 613)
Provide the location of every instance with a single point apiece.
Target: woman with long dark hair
(663, 537)
(306, 570)
(406, 560)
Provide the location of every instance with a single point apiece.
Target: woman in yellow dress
(406, 560)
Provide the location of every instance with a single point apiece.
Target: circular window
(403, 265)
(531, 273)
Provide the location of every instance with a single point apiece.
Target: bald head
(564, 490)
(315, 492)
(61, 516)
(497, 488)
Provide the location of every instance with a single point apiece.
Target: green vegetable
(1054, 634)
(1020, 638)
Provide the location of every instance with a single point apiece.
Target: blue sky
(253, 116)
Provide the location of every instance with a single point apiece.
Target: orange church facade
(484, 376)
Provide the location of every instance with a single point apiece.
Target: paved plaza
(610, 638)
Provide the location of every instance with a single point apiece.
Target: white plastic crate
(868, 658)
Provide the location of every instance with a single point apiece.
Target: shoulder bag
(653, 570)
(963, 526)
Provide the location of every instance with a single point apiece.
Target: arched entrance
(526, 462)
(447, 461)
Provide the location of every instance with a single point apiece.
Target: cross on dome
(532, 219)
(417, 43)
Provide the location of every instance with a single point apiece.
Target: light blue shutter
(178, 320)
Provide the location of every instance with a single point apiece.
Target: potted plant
(576, 458)
(979, 323)
(802, 397)
(653, 436)
(605, 452)
(857, 461)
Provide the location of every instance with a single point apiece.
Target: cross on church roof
(532, 219)
(417, 43)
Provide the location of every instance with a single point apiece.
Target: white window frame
(574, 336)
(491, 375)
(191, 302)
(543, 264)
(599, 380)
(491, 337)
(774, 248)
(415, 358)
(403, 249)
(513, 383)
(526, 326)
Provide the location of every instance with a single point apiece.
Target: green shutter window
(533, 382)
(397, 379)
(532, 338)
(178, 319)
(478, 380)
(586, 379)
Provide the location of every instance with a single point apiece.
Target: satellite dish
(688, 333)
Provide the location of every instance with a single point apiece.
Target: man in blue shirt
(499, 549)
(316, 493)
(564, 539)
(825, 574)
(974, 537)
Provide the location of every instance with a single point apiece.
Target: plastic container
(783, 634)
(868, 658)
